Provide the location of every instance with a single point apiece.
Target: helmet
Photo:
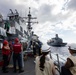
(72, 47)
(45, 48)
(5, 42)
(16, 40)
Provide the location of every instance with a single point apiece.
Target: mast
(29, 27)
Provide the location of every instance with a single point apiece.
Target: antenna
(11, 11)
(16, 11)
(29, 20)
(29, 10)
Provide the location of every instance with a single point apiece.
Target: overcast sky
(54, 16)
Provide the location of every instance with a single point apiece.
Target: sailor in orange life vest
(5, 53)
(70, 66)
(44, 64)
(17, 55)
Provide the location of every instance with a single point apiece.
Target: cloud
(54, 16)
(44, 12)
(5, 5)
(72, 5)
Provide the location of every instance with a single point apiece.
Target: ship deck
(29, 68)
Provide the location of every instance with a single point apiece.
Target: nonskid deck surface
(29, 68)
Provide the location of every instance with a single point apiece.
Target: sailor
(44, 64)
(17, 55)
(38, 47)
(6, 54)
(70, 66)
(34, 47)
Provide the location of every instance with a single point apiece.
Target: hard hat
(45, 48)
(16, 40)
(72, 47)
(5, 42)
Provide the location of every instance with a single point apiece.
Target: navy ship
(14, 27)
(56, 42)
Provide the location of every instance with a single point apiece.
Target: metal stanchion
(58, 62)
(50, 55)
(58, 66)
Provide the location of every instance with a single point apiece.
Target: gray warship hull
(57, 44)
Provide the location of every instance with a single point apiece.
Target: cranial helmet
(16, 40)
(5, 42)
(45, 48)
(72, 47)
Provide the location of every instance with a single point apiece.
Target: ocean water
(62, 53)
(60, 50)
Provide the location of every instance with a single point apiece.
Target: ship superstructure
(12, 27)
(2, 30)
(16, 26)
